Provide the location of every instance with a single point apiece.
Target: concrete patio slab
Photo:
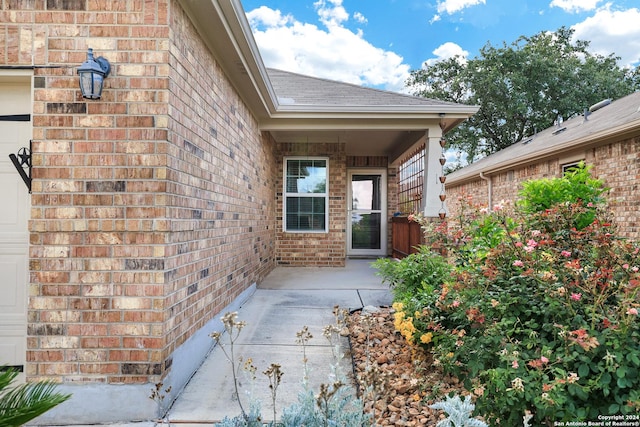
(356, 274)
(376, 298)
(286, 301)
(211, 396)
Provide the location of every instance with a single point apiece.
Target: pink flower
(456, 303)
(411, 217)
(518, 263)
(532, 243)
(589, 205)
(536, 233)
(544, 359)
(518, 244)
(529, 249)
(514, 364)
(633, 311)
(565, 254)
(576, 297)
(625, 266)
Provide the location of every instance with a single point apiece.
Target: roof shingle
(300, 90)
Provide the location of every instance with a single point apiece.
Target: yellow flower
(398, 317)
(397, 306)
(404, 326)
(426, 338)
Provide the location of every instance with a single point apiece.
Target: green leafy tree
(24, 402)
(522, 88)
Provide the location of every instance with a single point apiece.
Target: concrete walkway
(286, 301)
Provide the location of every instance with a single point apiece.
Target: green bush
(418, 271)
(577, 186)
(540, 314)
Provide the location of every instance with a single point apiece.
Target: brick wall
(616, 163)
(315, 249)
(98, 220)
(152, 208)
(220, 192)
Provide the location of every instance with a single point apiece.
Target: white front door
(15, 133)
(367, 207)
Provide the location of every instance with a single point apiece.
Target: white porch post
(432, 186)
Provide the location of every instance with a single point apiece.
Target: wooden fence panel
(406, 235)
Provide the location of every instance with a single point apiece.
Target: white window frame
(286, 195)
(568, 166)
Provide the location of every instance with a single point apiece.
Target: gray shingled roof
(298, 90)
(621, 115)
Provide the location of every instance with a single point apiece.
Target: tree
(24, 402)
(522, 88)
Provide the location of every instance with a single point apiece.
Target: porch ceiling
(358, 142)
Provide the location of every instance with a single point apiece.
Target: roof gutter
(489, 189)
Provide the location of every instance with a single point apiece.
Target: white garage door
(15, 132)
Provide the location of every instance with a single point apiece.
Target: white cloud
(333, 51)
(575, 6)
(612, 31)
(331, 12)
(453, 6)
(446, 51)
(360, 18)
(268, 17)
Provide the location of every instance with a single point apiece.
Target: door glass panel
(365, 230)
(366, 215)
(365, 192)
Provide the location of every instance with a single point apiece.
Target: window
(568, 167)
(306, 196)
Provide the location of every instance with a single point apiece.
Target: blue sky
(377, 43)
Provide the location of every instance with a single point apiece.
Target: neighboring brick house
(164, 203)
(608, 139)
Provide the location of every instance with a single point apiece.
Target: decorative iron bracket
(22, 160)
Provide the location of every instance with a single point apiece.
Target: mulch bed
(406, 377)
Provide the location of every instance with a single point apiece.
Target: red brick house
(608, 139)
(165, 202)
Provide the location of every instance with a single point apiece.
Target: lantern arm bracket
(22, 163)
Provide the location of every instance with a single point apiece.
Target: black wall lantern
(92, 73)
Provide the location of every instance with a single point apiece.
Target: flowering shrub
(539, 316)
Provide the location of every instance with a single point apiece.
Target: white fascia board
(461, 109)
